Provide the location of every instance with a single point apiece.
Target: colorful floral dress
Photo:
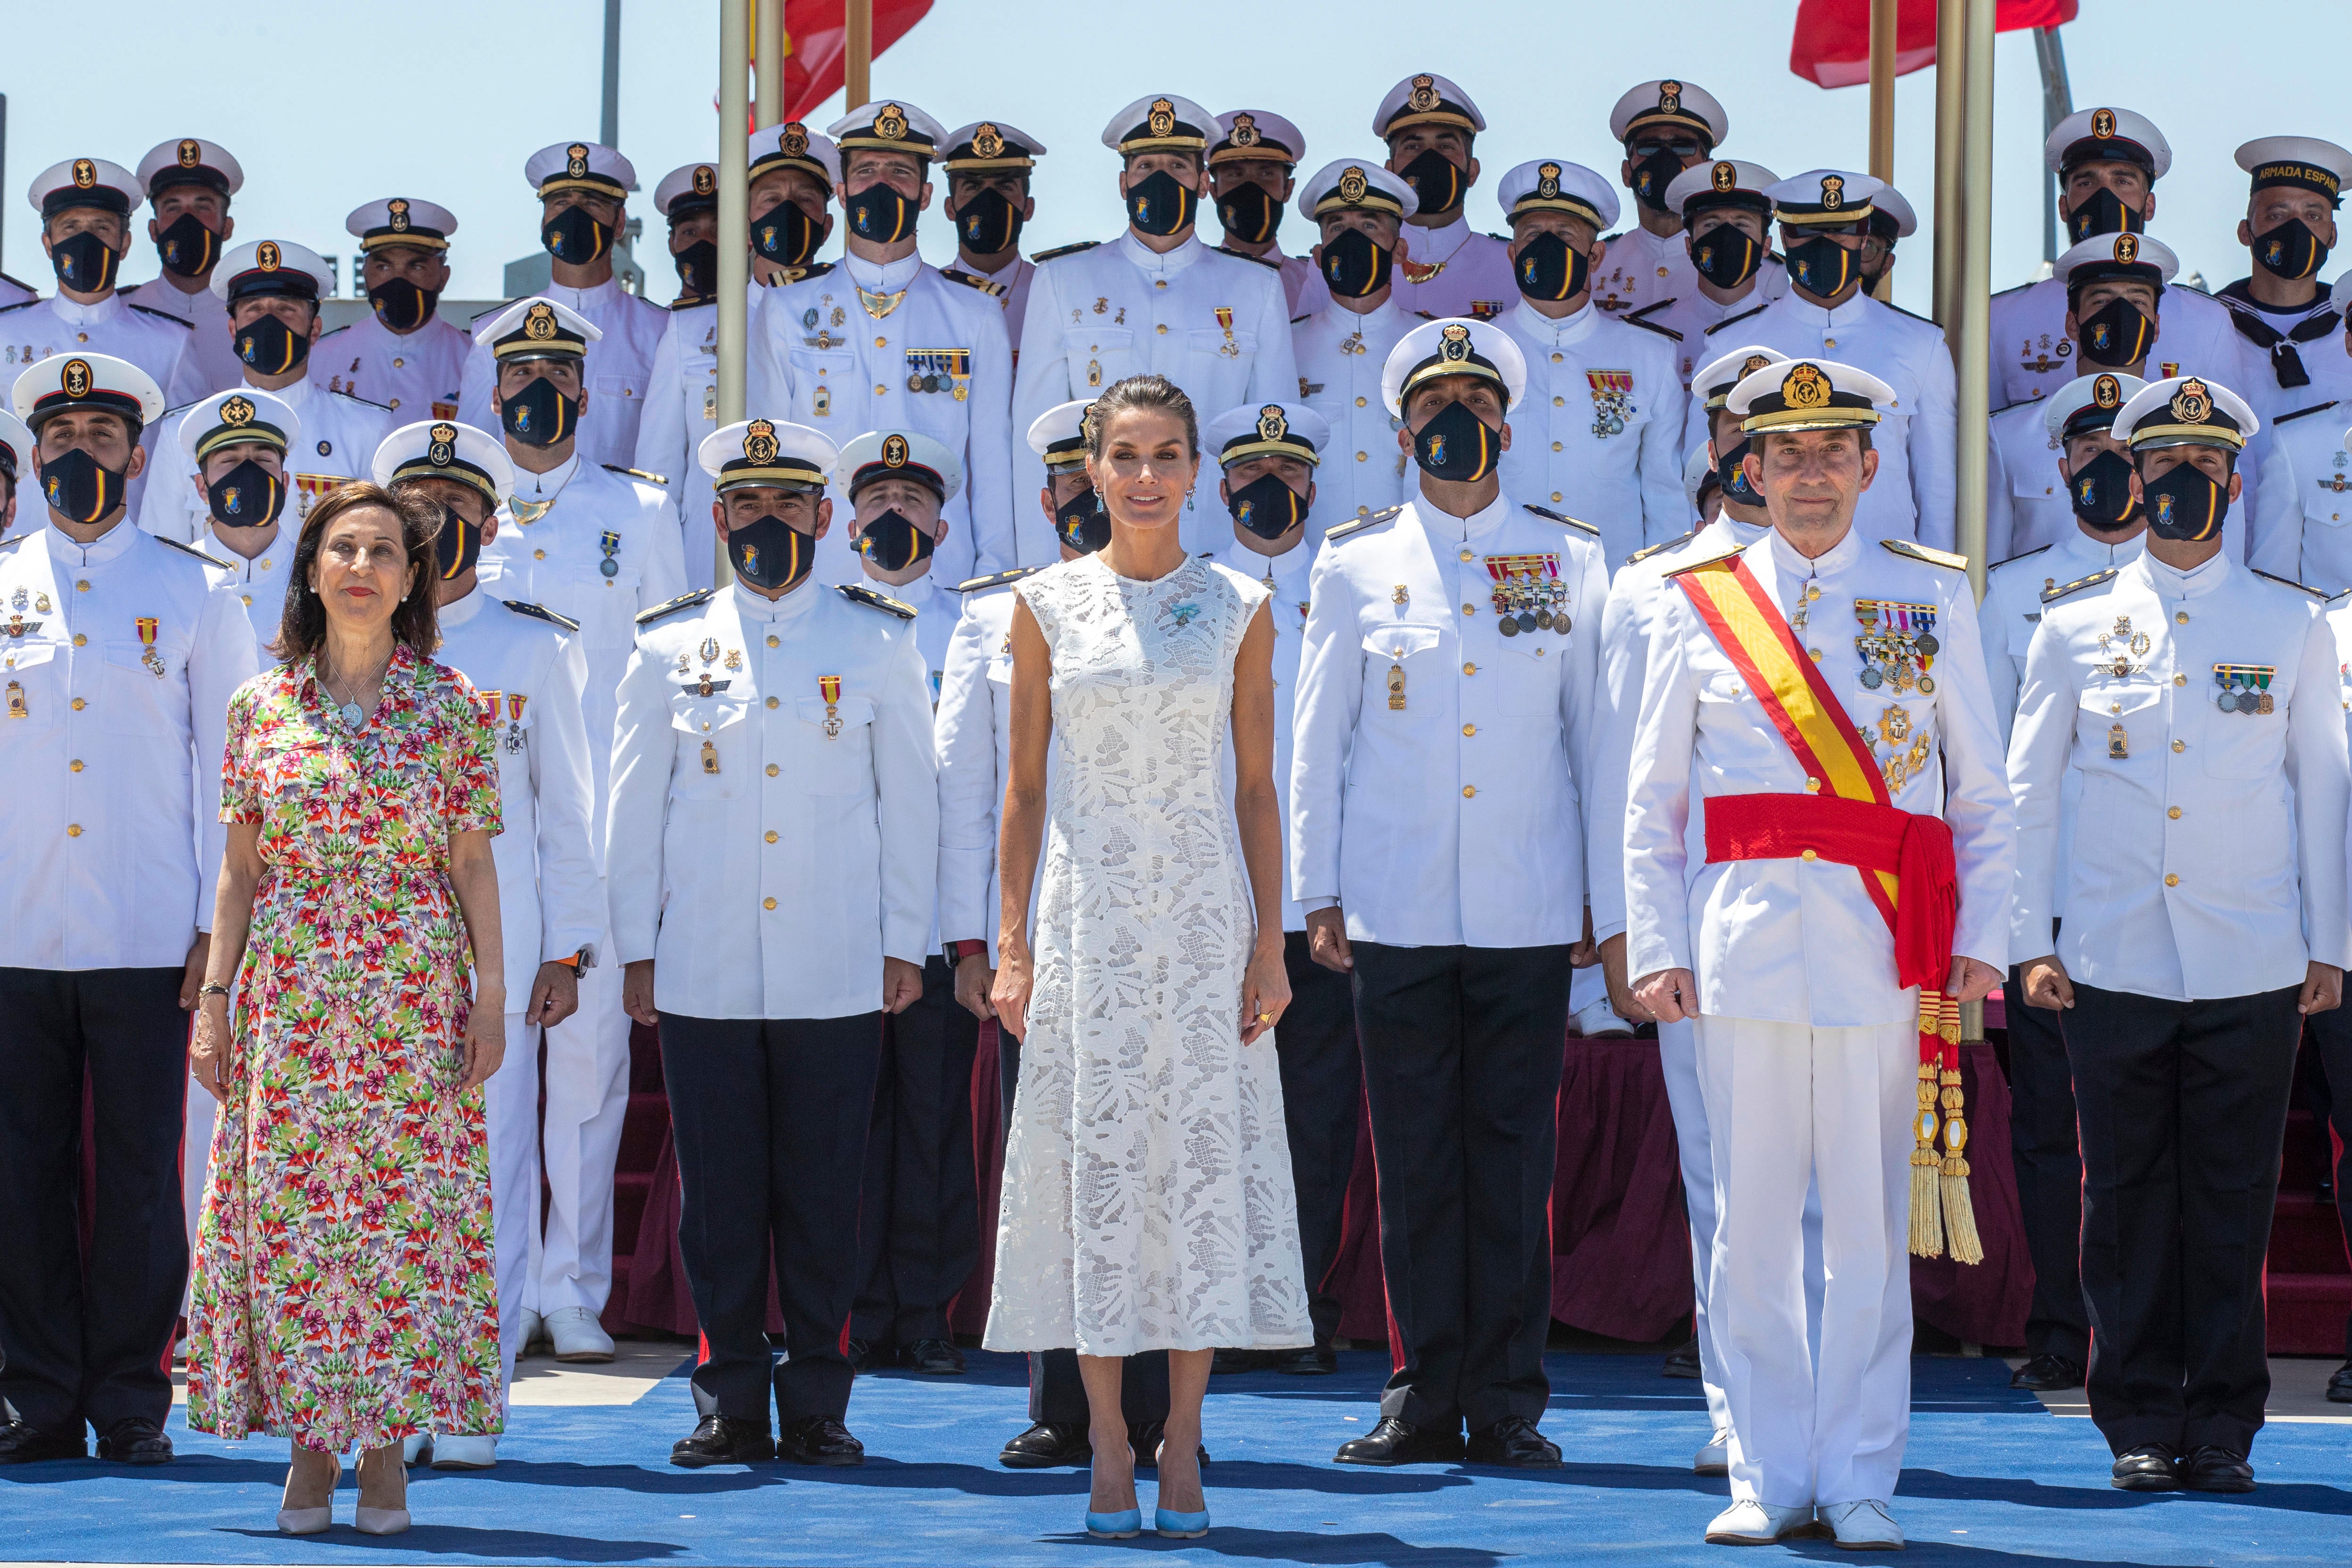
(344, 1290)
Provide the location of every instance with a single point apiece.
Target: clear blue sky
(328, 106)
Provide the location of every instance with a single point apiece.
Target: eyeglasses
(1680, 146)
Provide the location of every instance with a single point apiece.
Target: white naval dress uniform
(2032, 356)
(1217, 326)
(1303, 288)
(155, 341)
(820, 359)
(1640, 271)
(1599, 433)
(259, 584)
(681, 408)
(555, 562)
(210, 346)
(550, 895)
(1014, 281)
(1807, 1047)
(2300, 507)
(1693, 315)
(415, 374)
(2027, 505)
(15, 293)
(1914, 494)
(1473, 275)
(2322, 355)
(339, 435)
(1363, 470)
(973, 731)
(617, 371)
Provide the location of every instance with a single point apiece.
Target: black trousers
(2331, 1037)
(1056, 1392)
(2049, 1163)
(2183, 1108)
(89, 1338)
(770, 1120)
(919, 1222)
(1462, 1049)
(1322, 1096)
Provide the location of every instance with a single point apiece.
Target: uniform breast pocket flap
(2119, 721)
(711, 755)
(1234, 345)
(1395, 657)
(1399, 642)
(2323, 507)
(836, 750)
(614, 387)
(32, 680)
(137, 687)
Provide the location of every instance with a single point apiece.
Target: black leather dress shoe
(1145, 1436)
(135, 1440)
(22, 1444)
(936, 1357)
(1317, 1361)
(2213, 1467)
(861, 1356)
(2048, 1371)
(1046, 1444)
(2339, 1387)
(2148, 1468)
(1394, 1443)
(724, 1440)
(1226, 1362)
(1682, 1359)
(1514, 1443)
(820, 1440)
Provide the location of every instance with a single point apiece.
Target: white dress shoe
(578, 1335)
(1599, 1021)
(464, 1453)
(415, 1449)
(1715, 1458)
(534, 1332)
(1863, 1526)
(1758, 1524)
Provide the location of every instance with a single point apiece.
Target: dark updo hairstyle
(1140, 392)
(415, 625)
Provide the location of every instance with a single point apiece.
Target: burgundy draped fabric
(1982, 1303)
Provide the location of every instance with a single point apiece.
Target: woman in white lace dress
(1147, 1200)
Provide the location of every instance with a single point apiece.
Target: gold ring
(1265, 1018)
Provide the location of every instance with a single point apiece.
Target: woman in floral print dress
(344, 1285)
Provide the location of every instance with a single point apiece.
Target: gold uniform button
(1362, 457)
(1554, 358)
(1559, 403)
(1465, 555)
(1556, 447)
(772, 702)
(81, 337)
(771, 770)
(1829, 343)
(75, 764)
(2182, 616)
(772, 835)
(1467, 730)
(248, 600)
(1809, 855)
(2177, 681)
(1555, 495)
(398, 363)
(1469, 610)
(772, 639)
(73, 830)
(1812, 591)
(881, 342)
(82, 586)
(1469, 790)
(1812, 785)
(1661, 272)
(79, 704)
(1161, 328)
(2170, 879)
(879, 388)
(767, 904)
(2114, 708)
(538, 555)
(2180, 746)
(1160, 283)
(1466, 669)
(1360, 402)
(2173, 812)
(80, 641)
(1815, 655)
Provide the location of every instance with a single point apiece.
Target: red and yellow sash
(1904, 860)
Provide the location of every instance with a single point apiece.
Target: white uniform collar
(245, 567)
(920, 595)
(73, 313)
(585, 300)
(2082, 547)
(296, 394)
(540, 486)
(758, 607)
(1156, 264)
(882, 277)
(459, 611)
(1845, 315)
(1837, 558)
(1427, 247)
(107, 547)
(1739, 533)
(1573, 328)
(1462, 530)
(1292, 562)
(2171, 582)
(1364, 322)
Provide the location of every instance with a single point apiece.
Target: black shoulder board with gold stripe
(690, 301)
(996, 579)
(1646, 551)
(1060, 251)
(182, 324)
(540, 613)
(873, 600)
(683, 601)
(356, 398)
(2289, 582)
(2018, 556)
(1245, 256)
(2298, 413)
(1900, 311)
(1639, 318)
(1563, 519)
(2052, 595)
(638, 473)
(1384, 514)
(987, 286)
(1728, 552)
(191, 549)
(1728, 321)
(9, 544)
(1916, 551)
(20, 305)
(493, 310)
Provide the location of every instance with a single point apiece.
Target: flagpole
(734, 237)
(768, 51)
(857, 74)
(1951, 83)
(1882, 108)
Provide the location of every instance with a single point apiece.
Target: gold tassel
(1959, 1213)
(1926, 1212)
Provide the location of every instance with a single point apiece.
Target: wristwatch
(958, 952)
(583, 961)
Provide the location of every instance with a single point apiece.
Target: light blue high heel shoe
(1180, 1526)
(1117, 1526)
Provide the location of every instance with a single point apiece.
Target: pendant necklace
(529, 512)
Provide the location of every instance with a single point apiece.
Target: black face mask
(85, 263)
(247, 496)
(988, 223)
(783, 235)
(269, 346)
(1081, 524)
(2100, 492)
(402, 305)
(2185, 505)
(187, 247)
(1547, 269)
(1820, 266)
(1731, 473)
(2116, 333)
(2103, 213)
(1436, 182)
(697, 267)
(539, 415)
(769, 552)
(1267, 507)
(892, 542)
(1157, 206)
(2290, 251)
(1356, 264)
(1249, 213)
(458, 545)
(1726, 257)
(575, 238)
(1457, 445)
(1653, 174)
(879, 213)
(80, 488)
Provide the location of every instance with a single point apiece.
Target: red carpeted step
(630, 1190)
(2306, 1312)
(2308, 1147)
(2307, 1237)
(643, 1127)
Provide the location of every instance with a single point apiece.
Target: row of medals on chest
(704, 684)
(1898, 645)
(17, 629)
(1528, 596)
(2238, 688)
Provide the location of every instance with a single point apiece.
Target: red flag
(820, 46)
(1831, 45)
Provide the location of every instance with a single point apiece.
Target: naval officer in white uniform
(236, 445)
(1342, 344)
(1728, 247)
(1431, 127)
(405, 355)
(1666, 128)
(190, 183)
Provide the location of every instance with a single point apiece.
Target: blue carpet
(1991, 1476)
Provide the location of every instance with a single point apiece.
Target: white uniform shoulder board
(1646, 551)
(540, 613)
(873, 600)
(2052, 595)
(1384, 514)
(1914, 551)
(2288, 582)
(996, 579)
(638, 473)
(684, 600)
(1727, 552)
(191, 549)
(1564, 519)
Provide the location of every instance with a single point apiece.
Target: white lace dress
(1148, 1201)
